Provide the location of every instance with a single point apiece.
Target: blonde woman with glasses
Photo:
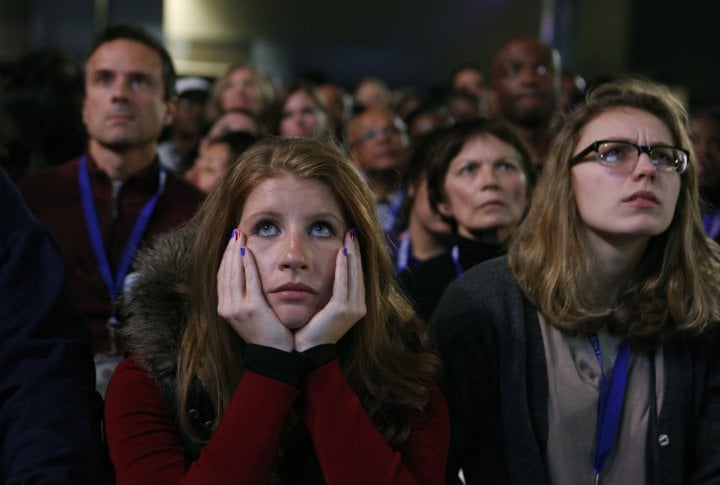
(590, 354)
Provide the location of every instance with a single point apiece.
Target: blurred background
(412, 43)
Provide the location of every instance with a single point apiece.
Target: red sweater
(146, 447)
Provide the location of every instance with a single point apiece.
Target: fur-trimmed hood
(154, 305)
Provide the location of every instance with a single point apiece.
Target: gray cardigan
(496, 387)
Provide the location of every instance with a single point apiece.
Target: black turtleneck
(424, 284)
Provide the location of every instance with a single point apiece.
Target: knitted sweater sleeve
(351, 450)
(146, 447)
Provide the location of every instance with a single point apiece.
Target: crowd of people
(511, 279)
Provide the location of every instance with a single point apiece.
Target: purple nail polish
(345, 251)
(242, 251)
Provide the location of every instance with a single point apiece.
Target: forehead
(215, 155)
(125, 55)
(241, 73)
(290, 194)
(486, 147)
(217, 148)
(232, 122)
(468, 73)
(626, 123)
(525, 51)
(374, 118)
(299, 96)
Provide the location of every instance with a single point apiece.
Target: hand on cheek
(346, 305)
(241, 301)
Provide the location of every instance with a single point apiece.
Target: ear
(445, 209)
(410, 191)
(171, 109)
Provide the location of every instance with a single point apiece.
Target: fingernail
(353, 233)
(242, 251)
(237, 234)
(345, 251)
(232, 235)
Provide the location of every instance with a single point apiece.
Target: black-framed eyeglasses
(624, 155)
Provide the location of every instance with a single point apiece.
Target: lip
(119, 116)
(293, 290)
(534, 95)
(491, 204)
(642, 198)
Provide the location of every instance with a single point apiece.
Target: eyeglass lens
(622, 153)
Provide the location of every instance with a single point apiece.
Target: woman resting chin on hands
(283, 355)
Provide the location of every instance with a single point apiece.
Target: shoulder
(14, 215)
(132, 392)
(180, 188)
(431, 266)
(436, 271)
(486, 298)
(485, 283)
(179, 202)
(154, 307)
(27, 251)
(44, 186)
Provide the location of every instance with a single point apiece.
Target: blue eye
(266, 229)
(321, 229)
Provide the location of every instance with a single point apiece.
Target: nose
(294, 254)
(644, 167)
(487, 177)
(120, 88)
(528, 75)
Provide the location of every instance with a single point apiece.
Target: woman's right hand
(241, 301)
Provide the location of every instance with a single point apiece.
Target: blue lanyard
(114, 284)
(455, 255)
(403, 255)
(610, 404)
(394, 211)
(711, 224)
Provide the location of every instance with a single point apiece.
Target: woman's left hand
(346, 305)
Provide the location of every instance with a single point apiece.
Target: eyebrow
(103, 71)
(273, 214)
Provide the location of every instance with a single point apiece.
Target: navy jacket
(49, 410)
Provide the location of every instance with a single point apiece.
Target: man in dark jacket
(49, 410)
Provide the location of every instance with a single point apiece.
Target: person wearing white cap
(179, 148)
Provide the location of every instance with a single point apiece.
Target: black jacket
(425, 283)
(49, 410)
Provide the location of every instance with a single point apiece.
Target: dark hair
(451, 141)
(138, 34)
(237, 141)
(415, 170)
(40, 113)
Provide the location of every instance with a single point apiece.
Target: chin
(294, 321)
